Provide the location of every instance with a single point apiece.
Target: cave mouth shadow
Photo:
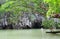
(37, 25)
(9, 26)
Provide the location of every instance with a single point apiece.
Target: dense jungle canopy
(17, 7)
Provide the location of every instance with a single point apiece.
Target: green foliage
(54, 6)
(22, 5)
(16, 7)
(48, 23)
(57, 24)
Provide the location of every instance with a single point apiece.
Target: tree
(54, 7)
(17, 7)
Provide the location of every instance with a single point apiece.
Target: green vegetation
(17, 7)
(48, 23)
(54, 6)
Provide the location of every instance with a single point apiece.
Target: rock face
(29, 21)
(26, 21)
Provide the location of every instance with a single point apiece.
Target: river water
(27, 34)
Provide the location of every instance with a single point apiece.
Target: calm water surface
(27, 34)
